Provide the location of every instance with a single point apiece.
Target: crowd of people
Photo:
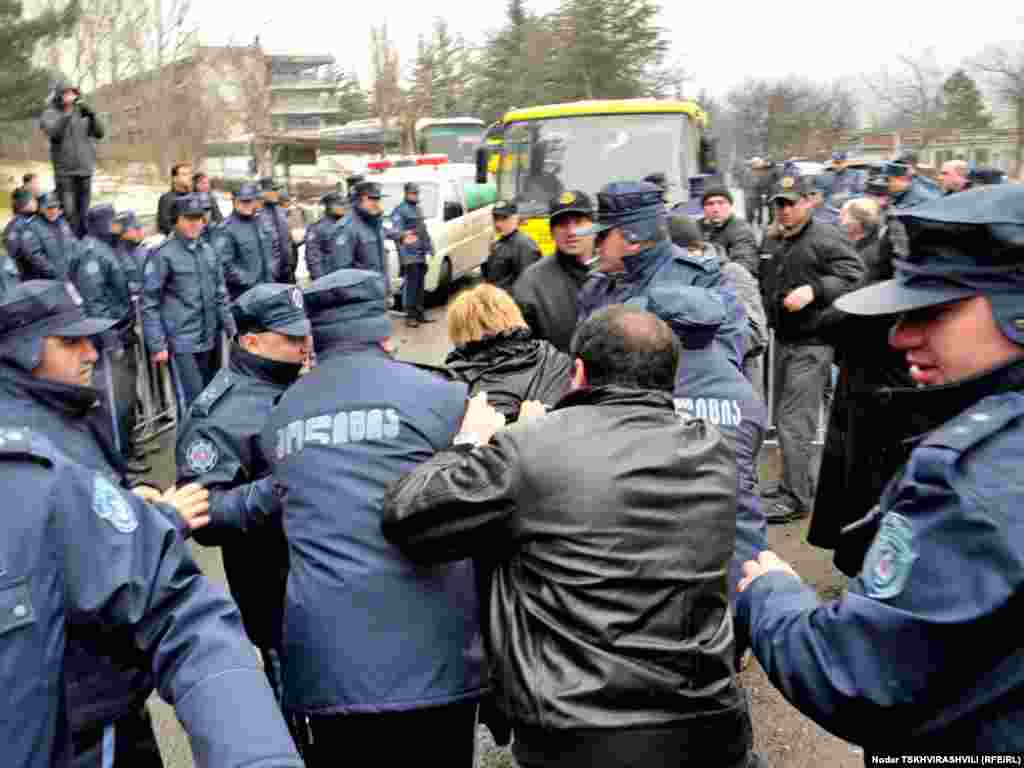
(560, 533)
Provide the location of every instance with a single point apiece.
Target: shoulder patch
(110, 505)
(202, 455)
(18, 442)
(888, 561)
(983, 419)
(216, 389)
(92, 267)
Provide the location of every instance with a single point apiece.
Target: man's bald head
(626, 347)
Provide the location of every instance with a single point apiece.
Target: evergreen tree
(352, 101)
(964, 106)
(23, 85)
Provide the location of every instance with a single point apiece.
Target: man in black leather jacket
(609, 638)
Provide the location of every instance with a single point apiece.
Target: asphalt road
(783, 737)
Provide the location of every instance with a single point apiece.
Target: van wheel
(438, 296)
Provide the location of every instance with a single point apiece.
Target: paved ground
(784, 738)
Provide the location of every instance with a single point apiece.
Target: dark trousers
(119, 373)
(442, 736)
(191, 372)
(412, 289)
(126, 743)
(75, 193)
(802, 372)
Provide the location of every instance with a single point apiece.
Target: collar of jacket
(246, 363)
(869, 239)
(641, 266)
(489, 342)
(328, 348)
(612, 395)
(509, 236)
(937, 405)
(71, 399)
(370, 219)
(570, 265)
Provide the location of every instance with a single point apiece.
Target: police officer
(414, 246)
(846, 182)
(380, 655)
(906, 189)
(104, 285)
(277, 221)
(24, 207)
(320, 255)
(218, 446)
(185, 304)
(359, 243)
(636, 255)
(351, 182)
(46, 364)
(923, 653)
(48, 246)
(206, 201)
(131, 253)
(512, 252)
(244, 245)
(76, 554)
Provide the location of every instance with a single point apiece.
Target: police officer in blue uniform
(131, 253)
(381, 656)
(906, 189)
(78, 553)
(360, 242)
(636, 255)
(923, 653)
(48, 244)
(25, 208)
(185, 304)
(320, 255)
(277, 221)
(245, 244)
(218, 446)
(103, 283)
(414, 246)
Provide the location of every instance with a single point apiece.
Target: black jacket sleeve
(165, 213)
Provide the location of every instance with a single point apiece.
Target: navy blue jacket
(923, 653)
(184, 302)
(321, 258)
(277, 218)
(365, 629)
(408, 217)
(48, 249)
(245, 246)
(61, 521)
(101, 277)
(360, 242)
(132, 257)
(668, 263)
(14, 240)
(218, 447)
(919, 191)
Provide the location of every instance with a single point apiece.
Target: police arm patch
(888, 562)
(110, 505)
(202, 456)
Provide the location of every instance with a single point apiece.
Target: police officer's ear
(579, 376)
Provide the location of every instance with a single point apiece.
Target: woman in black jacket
(495, 352)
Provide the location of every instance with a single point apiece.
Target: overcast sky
(718, 44)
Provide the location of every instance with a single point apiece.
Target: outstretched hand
(192, 502)
(766, 561)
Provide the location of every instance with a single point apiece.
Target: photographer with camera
(73, 128)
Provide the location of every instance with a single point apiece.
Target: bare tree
(912, 96)
(1002, 66)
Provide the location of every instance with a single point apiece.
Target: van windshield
(394, 194)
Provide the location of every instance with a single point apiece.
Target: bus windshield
(458, 141)
(543, 158)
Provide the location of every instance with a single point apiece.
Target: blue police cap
(189, 205)
(637, 205)
(332, 199)
(369, 188)
(248, 191)
(271, 307)
(895, 169)
(982, 176)
(127, 220)
(49, 200)
(967, 244)
(205, 200)
(839, 157)
(349, 304)
(693, 313)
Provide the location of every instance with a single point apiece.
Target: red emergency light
(379, 165)
(432, 160)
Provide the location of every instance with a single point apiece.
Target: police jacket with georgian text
(610, 523)
(366, 629)
(78, 553)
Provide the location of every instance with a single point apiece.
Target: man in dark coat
(320, 256)
(51, 247)
(512, 252)
(732, 235)
(181, 185)
(244, 246)
(73, 128)
(201, 184)
(546, 291)
(359, 243)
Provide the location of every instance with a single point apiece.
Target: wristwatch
(466, 438)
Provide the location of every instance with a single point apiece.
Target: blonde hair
(865, 212)
(482, 311)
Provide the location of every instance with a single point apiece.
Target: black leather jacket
(610, 523)
(511, 367)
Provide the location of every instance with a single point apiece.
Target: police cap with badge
(49, 200)
(190, 206)
(574, 202)
(35, 309)
(370, 189)
(504, 208)
(637, 207)
(963, 245)
(348, 305)
(332, 199)
(248, 192)
(793, 188)
(271, 307)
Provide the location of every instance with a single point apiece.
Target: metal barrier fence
(769, 393)
(157, 405)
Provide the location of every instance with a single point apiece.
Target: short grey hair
(865, 211)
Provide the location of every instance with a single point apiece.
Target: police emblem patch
(93, 268)
(202, 456)
(889, 559)
(566, 198)
(297, 297)
(110, 505)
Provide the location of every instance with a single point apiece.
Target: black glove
(496, 721)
